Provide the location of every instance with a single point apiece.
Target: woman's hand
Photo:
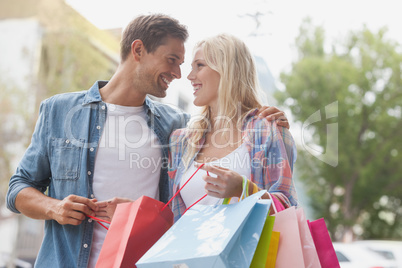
(107, 208)
(227, 183)
(273, 113)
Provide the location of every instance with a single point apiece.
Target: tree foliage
(359, 195)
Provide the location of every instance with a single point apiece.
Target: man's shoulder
(166, 107)
(66, 98)
(172, 116)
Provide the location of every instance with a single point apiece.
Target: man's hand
(107, 208)
(273, 113)
(72, 209)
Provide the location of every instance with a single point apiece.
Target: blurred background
(335, 67)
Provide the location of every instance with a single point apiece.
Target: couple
(78, 157)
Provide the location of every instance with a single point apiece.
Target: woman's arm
(272, 167)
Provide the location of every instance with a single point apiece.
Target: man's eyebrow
(177, 57)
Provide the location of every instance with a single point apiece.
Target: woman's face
(204, 80)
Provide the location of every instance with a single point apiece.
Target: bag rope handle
(99, 221)
(108, 222)
(171, 199)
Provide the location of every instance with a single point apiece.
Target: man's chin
(160, 94)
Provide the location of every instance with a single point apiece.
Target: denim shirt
(61, 159)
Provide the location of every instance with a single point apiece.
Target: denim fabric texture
(60, 161)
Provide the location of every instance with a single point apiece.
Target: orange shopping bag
(135, 227)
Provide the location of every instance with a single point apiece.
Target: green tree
(359, 80)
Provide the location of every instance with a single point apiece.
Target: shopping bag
(290, 253)
(273, 250)
(135, 227)
(211, 236)
(295, 240)
(322, 240)
(261, 253)
(310, 255)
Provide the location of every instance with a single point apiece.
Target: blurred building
(46, 48)
(266, 80)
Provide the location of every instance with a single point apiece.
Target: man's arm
(273, 113)
(71, 210)
(27, 186)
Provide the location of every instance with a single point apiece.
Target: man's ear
(137, 49)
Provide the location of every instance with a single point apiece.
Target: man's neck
(120, 91)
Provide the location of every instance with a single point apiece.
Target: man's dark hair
(152, 30)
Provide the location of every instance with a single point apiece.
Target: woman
(243, 153)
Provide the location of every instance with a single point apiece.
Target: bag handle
(276, 204)
(108, 222)
(99, 221)
(273, 203)
(171, 199)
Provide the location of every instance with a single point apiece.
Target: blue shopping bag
(211, 236)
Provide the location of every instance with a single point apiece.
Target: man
(90, 145)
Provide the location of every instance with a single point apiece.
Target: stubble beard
(149, 85)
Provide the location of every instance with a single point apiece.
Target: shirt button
(67, 141)
(85, 245)
(97, 127)
(92, 196)
(90, 220)
(89, 172)
(103, 107)
(91, 149)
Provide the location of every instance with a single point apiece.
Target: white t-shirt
(238, 161)
(127, 163)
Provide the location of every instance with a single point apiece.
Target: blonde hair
(238, 90)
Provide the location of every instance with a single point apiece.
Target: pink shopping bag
(135, 227)
(290, 253)
(322, 240)
(310, 255)
(296, 244)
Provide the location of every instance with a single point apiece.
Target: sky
(278, 28)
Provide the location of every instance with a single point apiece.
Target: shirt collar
(150, 105)
(93, 95)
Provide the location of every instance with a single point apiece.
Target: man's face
(158, 69)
